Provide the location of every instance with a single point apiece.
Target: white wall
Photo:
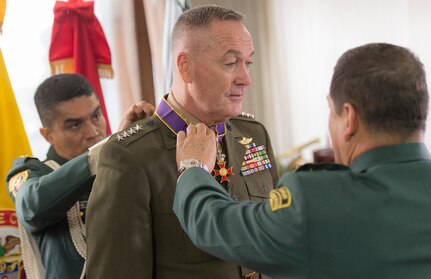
(313, 34)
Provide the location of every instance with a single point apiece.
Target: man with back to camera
(132, 231)
(366, 217)
(50, 204)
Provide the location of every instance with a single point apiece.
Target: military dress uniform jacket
(368, 221)
(132, 231)
(41, 206)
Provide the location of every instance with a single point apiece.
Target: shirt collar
(177, 119)
(52, 155)
(184, 114)
(397, 153)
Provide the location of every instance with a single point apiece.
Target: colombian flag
(13, 139)
(13, 143)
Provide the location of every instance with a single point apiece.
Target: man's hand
(199, 144)
(136, 112)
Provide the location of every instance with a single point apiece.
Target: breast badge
(16, 181)
(280, 198)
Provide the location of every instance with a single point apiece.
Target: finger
(210, 132)
(212, 136)
(181, 136)
(149, 109)
(201, 129)
(140, 115)
(191, 129)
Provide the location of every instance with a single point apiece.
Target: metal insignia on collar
(129, 132)
(249, 115)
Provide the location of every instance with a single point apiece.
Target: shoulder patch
(322, 167)
(16, 181)
(280, 198)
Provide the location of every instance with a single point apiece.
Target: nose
(243, 75)
(91, 130)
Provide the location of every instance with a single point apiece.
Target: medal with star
(223, 171)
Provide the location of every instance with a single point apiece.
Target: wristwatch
(190, 163)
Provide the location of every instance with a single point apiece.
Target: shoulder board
(245, 117)
(322, 167)
(135, 131)
(248, 115)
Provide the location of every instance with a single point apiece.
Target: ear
(351, 121)
(47, 134)
(185, 66)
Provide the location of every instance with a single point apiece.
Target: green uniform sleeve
(247, 233)
(45, 196)
(119, 214)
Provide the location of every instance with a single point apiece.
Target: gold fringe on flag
(66, 66)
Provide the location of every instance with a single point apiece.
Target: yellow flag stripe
(13, 139)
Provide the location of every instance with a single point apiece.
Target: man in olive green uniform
(132, 231)
(368, 220)
(50, 204)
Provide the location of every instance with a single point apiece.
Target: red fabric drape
(78, 45)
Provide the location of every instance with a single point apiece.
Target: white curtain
(297, 45)
(308, 37)
(173, 10)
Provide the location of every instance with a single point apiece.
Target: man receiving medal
(132, 231)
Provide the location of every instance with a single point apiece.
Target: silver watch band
(190, 163)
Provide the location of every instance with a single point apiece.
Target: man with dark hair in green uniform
(132, 231)
(366, 217)
(50, 205)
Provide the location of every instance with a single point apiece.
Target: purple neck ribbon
(175, 122)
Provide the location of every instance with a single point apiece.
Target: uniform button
(235, 198)
(172, 135)
(150, 123)
(265, 189)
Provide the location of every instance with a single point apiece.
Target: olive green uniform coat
(132, 231)
(41, 206)
(372, 220)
